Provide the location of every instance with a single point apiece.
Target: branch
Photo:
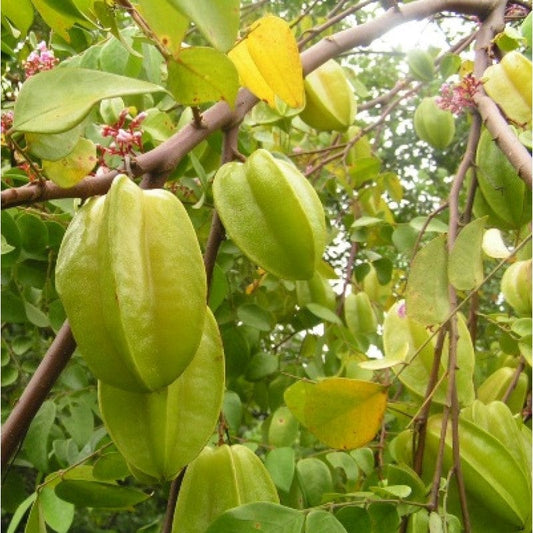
(167, 155)
(42, 381)
(493, 119)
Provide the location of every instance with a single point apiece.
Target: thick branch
(165, 157)
(19, 420)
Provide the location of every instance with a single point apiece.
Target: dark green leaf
(110, 466)
(98, 494)
(255, 316)
(36, 442)
(280, 464)
(322, 522)
(427, 298)
(58, 514)
(261, 365)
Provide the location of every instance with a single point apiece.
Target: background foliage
(386, 194)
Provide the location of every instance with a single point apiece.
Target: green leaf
(60, 15)
(427, 298)
(36, 442)
(403, 337)
(166, 21)
(384, 517)
(110, 466)
(261, 516)
(232, 410)
(435, 225)
(345, 462)
(218, 21)
(9, 376)
(200, 75)
(19, 513)
(57, 100)
(314, 479)
(75, 166)
(20, 13)
(364, 459)
(450, 65)
(280, 464)
(36, 316)
(79, 424)
(34, 235)
(58, 514)
(342, 413)
(35, 523)
(465, 265)
(318, 521)
(6, 247)
(355, 519)
(283, 428)
(255, 316)
(396, 491)
(98, 494)
(11, 233)
(324, 313)
(53, 146)
(261, 365)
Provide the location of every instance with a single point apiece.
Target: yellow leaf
(249, 74)
(269, 63)
(342, 413)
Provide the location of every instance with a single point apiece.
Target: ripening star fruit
(330, 103)
(272, 213)
(434, 125)
(160, 432)
(217, 480)
(131, 278)
(516, 287)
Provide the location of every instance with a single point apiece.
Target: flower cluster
(6, 121)
(39, 60)
(126, 138)
(456, 98)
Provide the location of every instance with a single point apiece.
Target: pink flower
(39, 60)
(456, 98)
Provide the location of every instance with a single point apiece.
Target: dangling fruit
(501, 188)
(160, 432)
(359, 314)
(497, 384)
(421, 65)
(509, 84)
(330, 103)
(273, 214)
(317, 290)
(220, 479)
(433, 124)
(516, 287)
(131, 278)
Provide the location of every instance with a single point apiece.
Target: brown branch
(42, 381)
(451, 408)
(420, 422)
(493, 119)
(166, 156)
(514, 381)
